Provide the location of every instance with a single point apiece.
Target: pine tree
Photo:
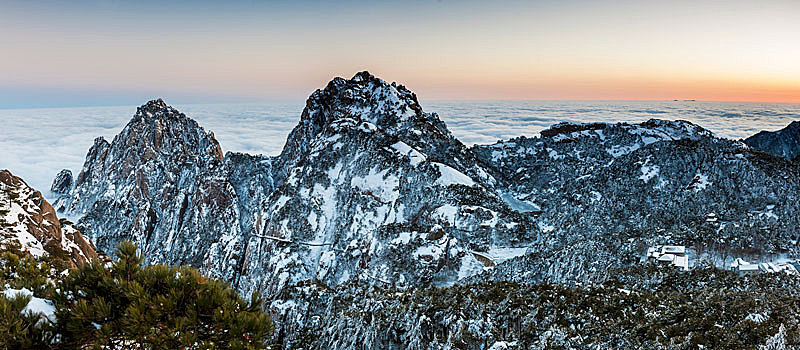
(18, 329)
(156, 307)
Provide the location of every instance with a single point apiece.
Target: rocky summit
(783, 143)
(369, 188)
(373, 198)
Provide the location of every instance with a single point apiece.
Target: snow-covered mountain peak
(366, 99)
(365, 104)
(368, 188)
(154, 106)
(158, 146)
(160, 128)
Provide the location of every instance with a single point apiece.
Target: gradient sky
(72, 53)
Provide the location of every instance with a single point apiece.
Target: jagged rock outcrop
(162, 184)
(783, 143)
(29, 221)
(368, 188)
(63, 182)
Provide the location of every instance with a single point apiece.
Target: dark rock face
(783, 143)
(28, 220)
(62, 183)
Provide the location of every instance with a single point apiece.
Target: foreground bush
(20, 329)
(126, 305)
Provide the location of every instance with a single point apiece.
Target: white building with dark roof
(670, 254)
(743, 267)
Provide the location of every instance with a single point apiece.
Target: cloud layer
(36, 143)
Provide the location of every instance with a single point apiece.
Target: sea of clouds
(37, 143)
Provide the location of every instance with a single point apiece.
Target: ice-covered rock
(29, 222)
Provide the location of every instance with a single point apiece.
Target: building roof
(653, 252)
(748, 267)
(765, 267)
(789, 268)
(666, 257)
(673, 249)
(774, 267)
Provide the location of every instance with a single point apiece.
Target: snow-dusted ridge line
(370, 189)
(385, 194)
(364, 166)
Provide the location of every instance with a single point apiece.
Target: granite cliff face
(29, 222)
(63, 183)
(371, 188)
(161, 183)
(783, 143)
(368, 188)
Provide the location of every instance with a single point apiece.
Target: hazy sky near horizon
(76, 53)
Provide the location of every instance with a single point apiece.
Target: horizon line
(288, 100)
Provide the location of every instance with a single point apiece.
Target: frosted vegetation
(122, 305)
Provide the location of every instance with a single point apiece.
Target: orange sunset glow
(718, 51)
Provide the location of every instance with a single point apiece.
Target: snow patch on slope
(413, 155)
(649, 172)
(378, 184)
(36, 306)
(450, 176)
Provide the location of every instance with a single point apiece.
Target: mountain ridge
(366, 115)
(783, 143)
(371, 190)
(321, 205)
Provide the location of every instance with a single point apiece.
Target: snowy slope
(28, 221)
